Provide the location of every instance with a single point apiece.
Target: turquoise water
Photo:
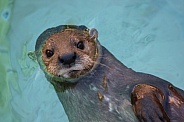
(146, 35)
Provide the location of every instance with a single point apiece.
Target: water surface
(146, 35)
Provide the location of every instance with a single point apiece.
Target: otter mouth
(68, 74)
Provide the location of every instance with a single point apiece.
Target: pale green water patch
(7, 73)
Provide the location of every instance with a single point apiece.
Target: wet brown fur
(65, 42)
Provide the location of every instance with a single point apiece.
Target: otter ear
(32, 55)
(93, 33)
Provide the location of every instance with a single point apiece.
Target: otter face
(69, 54)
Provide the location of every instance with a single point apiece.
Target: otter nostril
(61, 60)
(68, 58)
(74, 56)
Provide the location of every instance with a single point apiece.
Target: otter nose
(68, 58)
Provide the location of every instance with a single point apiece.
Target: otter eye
(80, 45)
(49, 53)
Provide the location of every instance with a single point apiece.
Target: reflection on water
(146, 35)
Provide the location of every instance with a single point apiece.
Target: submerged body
(94, 86)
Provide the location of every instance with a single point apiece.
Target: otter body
(106, 94)
(103, 89)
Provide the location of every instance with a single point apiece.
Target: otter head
(66, 53)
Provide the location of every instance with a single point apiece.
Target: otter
(93, 86)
